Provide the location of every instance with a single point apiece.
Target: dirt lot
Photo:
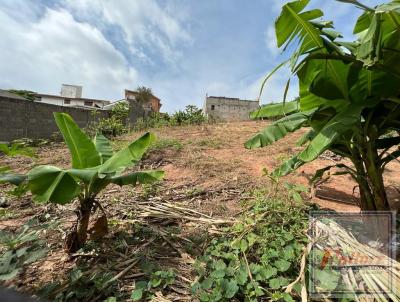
(208, 172)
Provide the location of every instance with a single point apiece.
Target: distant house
(219, 108)
(153, 105)
(70, 96)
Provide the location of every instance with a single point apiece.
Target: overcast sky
(182, 49)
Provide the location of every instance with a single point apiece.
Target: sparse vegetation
(21, 248)
(165, 143)
(190, 116)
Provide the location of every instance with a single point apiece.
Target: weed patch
(257, 256)
(166, 143)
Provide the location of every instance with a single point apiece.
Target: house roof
(112, 104)
(79, 99)
(7, 94)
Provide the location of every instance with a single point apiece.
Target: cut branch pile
(369, 275)
(167, 210)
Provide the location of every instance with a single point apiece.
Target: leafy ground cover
(162, 237)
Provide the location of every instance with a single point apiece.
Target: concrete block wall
(229, 109)
(21, 118)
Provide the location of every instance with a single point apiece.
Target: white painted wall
(60, 101)
(50, 100)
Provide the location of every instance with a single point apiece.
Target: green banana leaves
(348, 90)
(94, 166)
(278, 130)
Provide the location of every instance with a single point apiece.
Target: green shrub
(111, 127)
(190, 116)
(114, 125)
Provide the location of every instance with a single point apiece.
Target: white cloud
(143, 22)
(270, 41)
(40, 55)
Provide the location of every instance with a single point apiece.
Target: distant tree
(30, 95)
(143, 94)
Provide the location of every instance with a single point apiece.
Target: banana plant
(349, 94)
(94, 166)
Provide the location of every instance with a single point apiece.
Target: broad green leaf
(49, 183)
(332, 34)
(230, 288)
(272, 110)
(282, 265)
(309, 101)
(331, 82)
(340, 123)
(308, 136)
(241, 275)
(369, 50)
(268, 272)
(128, 156)
(218, 274)
(363, 22)
(137, 294)
(287, 297)
(220, 265)
(86, 175)
(103, 147)
(141, 177)
(373, 83)
(324, 78)
(83, 150)
(207, 283)
(292, 24)
(278, 130)
(277, 283)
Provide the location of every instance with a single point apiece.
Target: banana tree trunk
(83, 221)
(77, 238)
(369, 176)
(366, 196)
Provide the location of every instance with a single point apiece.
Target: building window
(212, 107)
(38, 99)
(88, 103)
(67, 101)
